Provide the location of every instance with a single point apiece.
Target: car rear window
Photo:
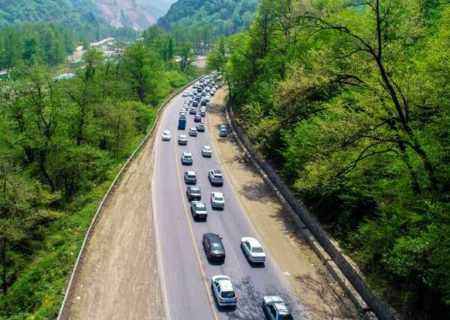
(228, 294)
(257, 250)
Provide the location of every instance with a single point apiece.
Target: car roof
(278, 303)
(281, 307)
(253, 242)
(226, 285)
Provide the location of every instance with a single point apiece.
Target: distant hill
(225, 16)
(69, 12)
(132, 14)
(156, 8)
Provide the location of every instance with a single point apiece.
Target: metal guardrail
(375, 304)
(76, 269)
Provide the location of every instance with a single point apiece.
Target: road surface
(185, 271)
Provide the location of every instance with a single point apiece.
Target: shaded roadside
(316, 289)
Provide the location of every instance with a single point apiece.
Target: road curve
(185, 270)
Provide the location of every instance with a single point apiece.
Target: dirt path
(119, 276)
(316, 289)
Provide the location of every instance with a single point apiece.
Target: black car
(203, 103)
(214, 249)
(197, 118)
(193, 193)
(195, 104)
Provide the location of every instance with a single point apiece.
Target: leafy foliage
(202, 22)
(350, 100)
(61, 144)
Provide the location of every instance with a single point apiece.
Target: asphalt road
(185, 271)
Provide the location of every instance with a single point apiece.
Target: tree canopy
(350, 101)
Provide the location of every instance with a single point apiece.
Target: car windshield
(257, 250)
(215, 246)
(285, 317)
(228, 294)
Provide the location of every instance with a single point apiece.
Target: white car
(186, 158)
(166, 136)
(253, 250)
(223, 291)
(217, 200)
(193, 132)
(185, 94)
(207, 151)
(182, 140)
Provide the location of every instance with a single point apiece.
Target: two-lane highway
(186, 272)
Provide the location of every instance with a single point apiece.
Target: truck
(181, 123)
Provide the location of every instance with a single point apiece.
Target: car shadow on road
(249, 302)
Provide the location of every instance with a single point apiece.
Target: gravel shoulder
(317, 290)
(119, 276)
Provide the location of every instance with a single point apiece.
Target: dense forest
(61, 144)
(203, 22)
(350, 101)
(26, 33)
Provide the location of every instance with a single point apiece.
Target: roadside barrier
(73, 278)
(369, 304)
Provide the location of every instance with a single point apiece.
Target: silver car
(166, 136)
(193, 132)
(223, 131)
(217, 200)
(190, 177)
(207, 152)
(186, 158)
(215, 177)
(182, 140)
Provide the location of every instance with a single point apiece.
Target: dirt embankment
(315, 288)
(119, 275)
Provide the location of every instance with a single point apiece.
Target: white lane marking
(157, 236)
(191, 232)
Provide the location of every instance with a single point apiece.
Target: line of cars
(221, 285)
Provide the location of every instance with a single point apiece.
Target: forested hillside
(205, 21)
(350, 101)
(61, 144)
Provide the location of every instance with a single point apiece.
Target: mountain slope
(227, 16)
(66, 12)
(132, 14)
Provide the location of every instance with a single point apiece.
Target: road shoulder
(315, 288)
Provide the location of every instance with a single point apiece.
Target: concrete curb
(78, 263)
(361, 304)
